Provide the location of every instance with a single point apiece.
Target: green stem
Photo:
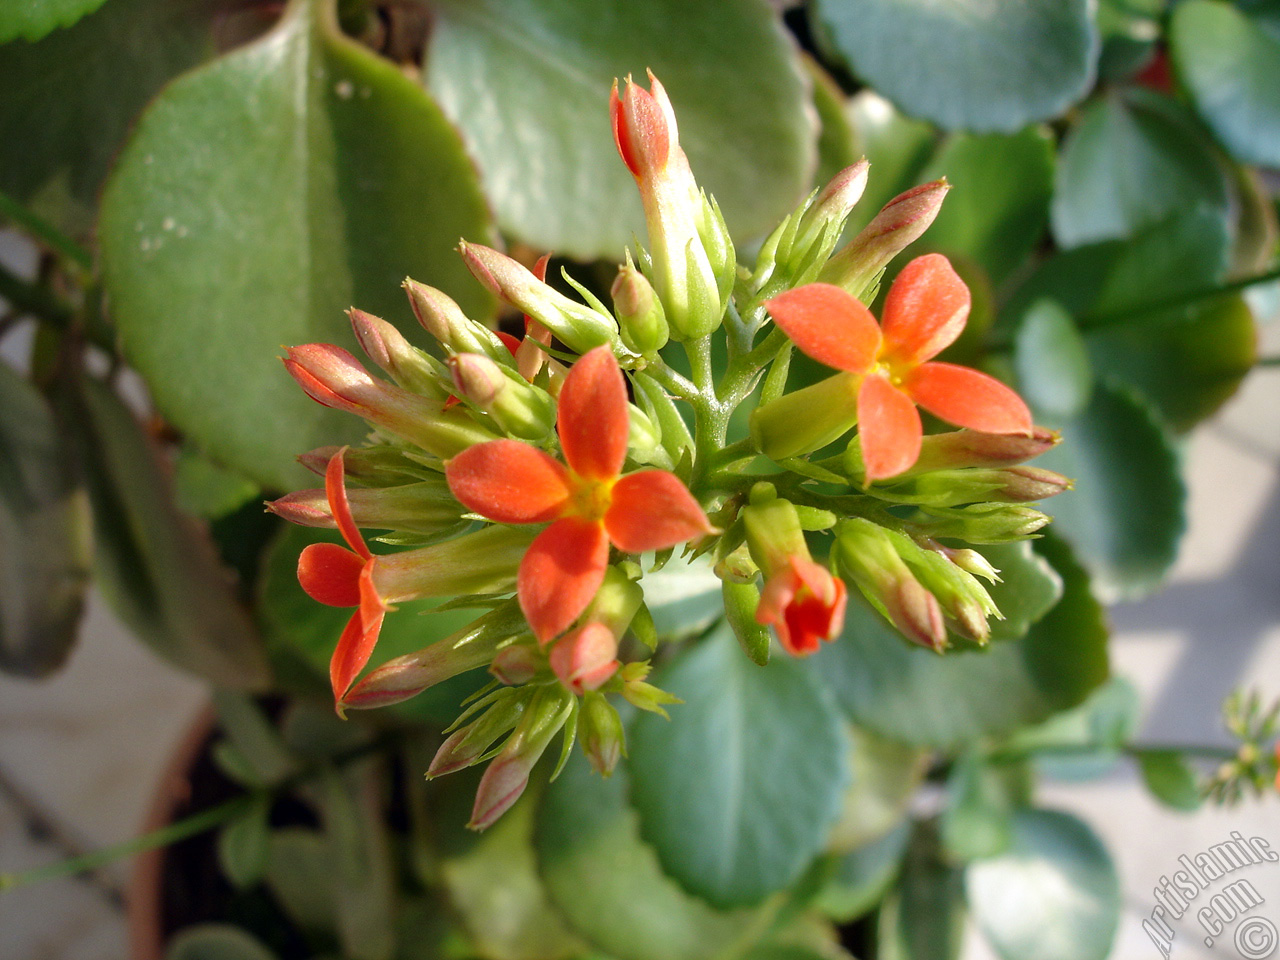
(1268, 362)
(41, 229)
(1182, 299)
(698, 351)
(33, 299)
(739, 450)
(1016, 755)
(672, 382)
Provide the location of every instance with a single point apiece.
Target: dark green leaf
(44, 534)
(990, 67)
(916, 696)
(999, 205)
(155, 565)
(1052, 362)
(70, 99)
(298, 628)
(976, 822)
(208, 490)
(247, 725)
(558, 183)
(608, 883)
(897, 147)
(32, 19)
(1133, 160)
(886, 775)
(1230, 64)
(1053, 895)
(243, 845)
(860, 878)
(1129, 30)
(753, 764)
(924, 918)
(300, 876)
(1126, 513)
(216, 941)
(837, 140)
(260, 197)
(1170, 779)
(1086, 741)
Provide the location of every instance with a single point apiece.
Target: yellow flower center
(590, 499)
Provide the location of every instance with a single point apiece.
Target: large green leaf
(1052, 362)
(897, 147)
(217, 941)
(753, 765)
(857, 880)
(608, 883)
(1230, 63)
(914, 695)
(69, 99)
(155, 565)
(990, 67)
(1126, 513)
(924, 918)
(1052, 895)
(32, 19)
(44, 534)
(1133, 160)
(999, 205)
(299, 629)
(259, 198)
(556, 181)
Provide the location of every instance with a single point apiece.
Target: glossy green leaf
(916, 696)
(1052, 362)
(886, 775)
(1133, 160)
(1127, 512)
(300, 877)
(991, 67)
(208, 490)
(1085, 742)
(753, 763)
(998, 207)
(859, 879)
(217, 941)
(924, 918)
(1170, 779)
(70, 99)
(897, 147)
(837, 139)
(258, 199)
(976, 821)
(558, 183)
(1230, 64)
(155, 565)
(32, 19)
(243, 845)
(494, 885)
(300, 629)
(44, 534)
(1053, 895)
(608, 883)
(1129, 31)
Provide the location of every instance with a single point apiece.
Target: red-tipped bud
(585, 658)
(408, 366)
(969, 448)
(516, 664)
(426, 507)
(644, 127)
(868, 556)
(441, 316)
(519, 408)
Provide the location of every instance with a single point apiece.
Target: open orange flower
(924, 313)
(590, 503)
(339, 577)
(804, 603)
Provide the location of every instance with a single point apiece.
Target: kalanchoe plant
(526, 465)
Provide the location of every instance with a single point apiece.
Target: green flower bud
(601, 733)
(518, 407)
(641, 320)
(808, 419)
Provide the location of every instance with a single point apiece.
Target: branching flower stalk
(539, 479)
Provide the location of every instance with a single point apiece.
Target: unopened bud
(600, 732)
(641, 320)
(965, 602)
(516, 664)
(807, 238)
(578, 325)
(808, 419)
(868, 556)
(969, 448)
(585, 658)
(469, 743)
(985, 522)
(637, 692)
(517, 407)
(900, 223)
(408, 366)
(644, 441)
(971, 561)
(741, 600)
(441, 317)
(951, 488)
(426, 508)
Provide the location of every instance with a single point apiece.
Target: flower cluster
(540, 478)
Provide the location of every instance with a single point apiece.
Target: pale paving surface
(86, 748)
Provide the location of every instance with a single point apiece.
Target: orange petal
(925, 311)
(351, 654)
(653, 510)
(560, 574)
(331, 574)
(335, 490)
(805, 605)
(968, 398)
(508, 481)
(508, 341)
(592, 416)
(889, 427)
(829, 325)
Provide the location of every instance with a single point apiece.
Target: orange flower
(924, 313)
(590, 503)
(804, 603)
(339, 577)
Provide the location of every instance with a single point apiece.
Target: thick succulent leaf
(913, 695)
(897, 146)
(753, 764)
(1133, 160)
(1052, 895)
(217, 941)
(155, 565)
(924, 917)
(259, 198)
(609, 884)
(988, 67)
(32, 19)
(1230, 63)
(739, 94)
(44, 534)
